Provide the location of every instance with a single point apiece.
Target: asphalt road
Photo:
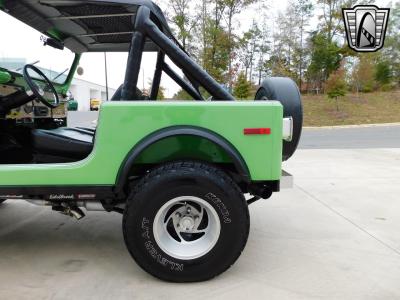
(351, 138)
(335, 235)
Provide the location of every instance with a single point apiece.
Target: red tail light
(257, 131)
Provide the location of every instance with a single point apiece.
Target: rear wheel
(186, 222)
(2, 201)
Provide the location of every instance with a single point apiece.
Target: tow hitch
(261, 191)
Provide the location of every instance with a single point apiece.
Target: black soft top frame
(87, 26)
(121, 25)
(145, 28)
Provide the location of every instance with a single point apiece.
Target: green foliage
(214, 39)
(183, 20)
(336, 86)
(216, 55)
(182, 95)
(383, 74)
(242, 87)
(232, 8)
(161, 93)
(308, 52)
(249, 46)
(391, 51)
(325, 57)
(364, 73)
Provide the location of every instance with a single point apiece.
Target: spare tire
(285, 91)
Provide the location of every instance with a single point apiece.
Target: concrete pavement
(334, 236)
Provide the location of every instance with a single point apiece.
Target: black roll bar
(186, 86)
(144, 27)
(155, 87)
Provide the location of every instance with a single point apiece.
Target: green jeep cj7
(177, 171)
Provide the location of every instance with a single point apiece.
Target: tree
(213, 38)
(233, 7)
(249, 45)
(336, 86)
(303, 10)
(242, 87)
(383, 74)
(182, 95)
(183, 20)
(331, 17)
(263, 50)
(364, 72)
(325, 58)
(216, 55)
(161, 93)
(391, 51)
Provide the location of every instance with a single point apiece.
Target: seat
(70, 143)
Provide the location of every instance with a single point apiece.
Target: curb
(353, 126)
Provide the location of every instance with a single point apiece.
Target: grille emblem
(366, 27)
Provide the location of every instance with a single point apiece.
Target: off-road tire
(186, 179)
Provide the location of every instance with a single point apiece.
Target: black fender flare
(168, 132)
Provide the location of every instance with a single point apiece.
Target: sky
(26, 44)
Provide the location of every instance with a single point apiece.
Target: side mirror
(80, 71)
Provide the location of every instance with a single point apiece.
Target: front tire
(186, 222)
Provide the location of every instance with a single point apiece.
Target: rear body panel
(122, 125)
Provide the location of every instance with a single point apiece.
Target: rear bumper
(287, 181)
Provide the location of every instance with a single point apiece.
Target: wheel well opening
(183, 147)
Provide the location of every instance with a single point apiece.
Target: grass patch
(379, 107)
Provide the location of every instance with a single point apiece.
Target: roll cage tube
(66, 85)
(232, 152)
(145, 27)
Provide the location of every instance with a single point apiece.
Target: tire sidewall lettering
(220, 205)
(153, 251)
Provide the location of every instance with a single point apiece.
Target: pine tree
(242, 87)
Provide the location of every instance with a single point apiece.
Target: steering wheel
(38, 87)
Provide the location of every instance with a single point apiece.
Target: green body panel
(67, 84)
(5, 77)
(124, 124)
